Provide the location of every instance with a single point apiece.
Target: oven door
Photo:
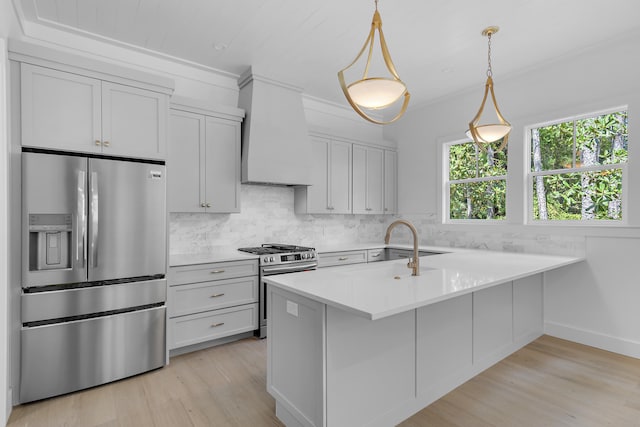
(270, 271)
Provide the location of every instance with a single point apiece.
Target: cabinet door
(368, 180)
(375, 181)
(340, 177)
(222, 165)
(318, 191)
(390, 182)
(359, 179)
(59, 110)
(133, 121)
(185, 164)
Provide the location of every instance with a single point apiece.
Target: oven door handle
(289, 268)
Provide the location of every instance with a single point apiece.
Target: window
(578, 168)
(475, 182)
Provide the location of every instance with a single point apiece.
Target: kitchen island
(370, 345)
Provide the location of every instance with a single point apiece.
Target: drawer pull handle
(217, 271)
(343, 258)
(216, 295)
(215, 325)
(375, 255)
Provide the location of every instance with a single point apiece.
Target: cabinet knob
(208, 205)
(105, 143)
(203, 205)
(98, 143)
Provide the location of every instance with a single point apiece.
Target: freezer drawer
(97, 299)
(66, 357)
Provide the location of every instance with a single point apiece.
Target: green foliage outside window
(484, 195)
(593, 144)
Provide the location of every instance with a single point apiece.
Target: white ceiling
(435, 44)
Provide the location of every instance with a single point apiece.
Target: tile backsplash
(267, 216)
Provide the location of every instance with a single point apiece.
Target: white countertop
(220, 254)
(373, 291)
(224, 253)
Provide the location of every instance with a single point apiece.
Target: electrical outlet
(292, 308)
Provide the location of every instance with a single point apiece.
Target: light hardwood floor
(550, 382)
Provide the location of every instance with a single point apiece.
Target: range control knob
(266, 259)
(272, 259)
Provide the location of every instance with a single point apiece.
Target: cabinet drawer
(330, 259)
(374, 255)
(196, 328)
(203, 296)
(212, 271)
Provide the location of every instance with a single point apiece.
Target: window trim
(529, 175)
(446, 188)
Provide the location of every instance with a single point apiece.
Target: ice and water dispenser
(49, 237)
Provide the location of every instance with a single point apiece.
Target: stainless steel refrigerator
(93, 271)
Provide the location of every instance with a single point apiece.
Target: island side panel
(492, 324)
(528, 313)
(295, 357)
(370, 368)
(444, 350)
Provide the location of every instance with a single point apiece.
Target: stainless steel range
(278, 259)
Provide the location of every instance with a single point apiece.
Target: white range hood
(276, 148)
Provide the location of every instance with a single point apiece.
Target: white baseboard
(594, 339)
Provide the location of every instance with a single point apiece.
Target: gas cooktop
(275, 248)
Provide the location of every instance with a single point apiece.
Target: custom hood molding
(276, 148)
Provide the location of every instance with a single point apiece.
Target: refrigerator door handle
(81, 222)
(94, 219)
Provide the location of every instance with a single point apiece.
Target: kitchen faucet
(415, 263)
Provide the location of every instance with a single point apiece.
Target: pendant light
(375, 93)
(485, 134)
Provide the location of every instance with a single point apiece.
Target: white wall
(5, 398)
(590, 302)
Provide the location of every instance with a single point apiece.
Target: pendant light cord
(489, 71)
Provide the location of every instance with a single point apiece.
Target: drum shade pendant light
(375, 93)
(485, 134)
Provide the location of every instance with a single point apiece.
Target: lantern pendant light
(375, 93)
(485, 134)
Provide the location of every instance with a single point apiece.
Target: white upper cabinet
(68, 111)
(330, 191)
(368, 180)
(203, 163)
(134, 121)
(390, 182)
(349, 178)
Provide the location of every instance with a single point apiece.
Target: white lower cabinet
(332, 259)
(212, 301)
(211, 325)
